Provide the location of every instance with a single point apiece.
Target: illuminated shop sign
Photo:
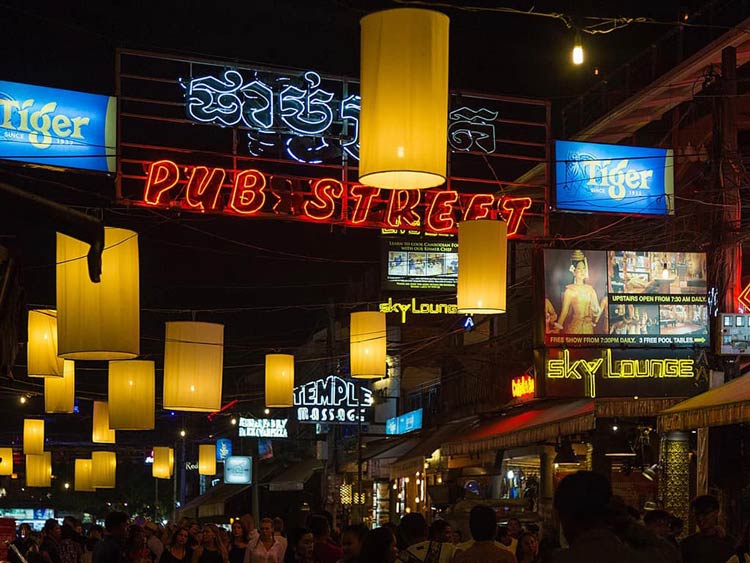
(625, 298)
(57, 127)
(263, 427)
(735, 334)
(523, 387)
(223, 449)
(238, 470)
(407, 422)
(333, 400)
(252, 193)
(593, 177)
(415, 308)
(420, 264)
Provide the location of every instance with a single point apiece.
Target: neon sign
(620, 369)
(414, 309)
(332, 400)
(252, 193)
(263, 428)
(523, 387)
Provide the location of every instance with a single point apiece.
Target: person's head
(249, 521)
(352, 540)
(194, 529)
(379, 547)
(319, 526)
(302, 542)
(96, 532)
(658, 521)
(180, 538)
(503, 536)
(52, 529)
(514, 528)
(482, 523)
(116, 524)
(456, 537)
(676, 526)
(70, 522)
(581, 502)
(266, 529)
(706, 510)
(440, 531)
(240, 533)
(24, 531)
(528, 547)
(579, 265)
(278, 525)
(413, 528)
(210, 536)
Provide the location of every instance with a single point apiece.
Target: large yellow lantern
(404, 89)
(279, 380)
(193, 366)
(59, 392)
(98, 321)
(41, 352)
(207, 459)
(6, 461)
(33, 436)
(39, 470)
(103, 470)
(101, 433)
(367, 344)
(163, 465)
(132, 390)
(482, 265)
(82, 481)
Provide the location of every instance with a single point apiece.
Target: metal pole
(156, 500)
(255, 485)
(359, 504)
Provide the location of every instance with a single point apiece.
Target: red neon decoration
(248, 196)
(325, 192)
(744, 298)
(203, 187)
(440, 217)
(522, 387)
(401, 206)
(163, 175)
(515, 208)
(480, 207)
(363, 196)
(226, 407)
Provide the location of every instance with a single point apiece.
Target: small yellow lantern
(207, 459)
(279, 380)
(33, 436)
(6, 461)
(103, 469)
(82, 482)
(163, 465)
(101, 432)
(41, 352)
(367, 345)
(39, 470)
(99, 321)
(482, 266)
(404, 89)
(132, 391)
(59, 392)
(193, 366)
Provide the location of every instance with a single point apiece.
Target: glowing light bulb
(22, 399)
(182, 433)
(510, 475)
(578, 51)
(234, 421)
(665, 272)
(66, 485)
(267, 411)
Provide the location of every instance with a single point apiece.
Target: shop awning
(212, 502)
(723, 405)
(294, 477)
(430, 441)
(537, 424)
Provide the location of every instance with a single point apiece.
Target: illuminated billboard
(625, 298)
(407, 422)
(238, 470)
(598, 178)
(735, 334)
(419, 264)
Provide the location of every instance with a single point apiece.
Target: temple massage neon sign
(253, 193)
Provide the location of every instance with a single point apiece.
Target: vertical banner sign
(59, 128)
(223, 449)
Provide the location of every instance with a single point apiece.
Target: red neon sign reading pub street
(251, 193)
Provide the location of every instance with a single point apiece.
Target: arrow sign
(744, 298)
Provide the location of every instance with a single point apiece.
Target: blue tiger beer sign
(59, 128)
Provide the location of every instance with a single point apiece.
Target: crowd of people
(595, 526)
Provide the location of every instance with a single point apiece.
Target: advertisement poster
(621, 298)
(418, 263)
(735, 334)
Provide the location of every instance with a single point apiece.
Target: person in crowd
(515, 529)
(211, 550)
(135, 550)
(528, 549)
(96, 532)
(625, 522)
(88, 550)
(441, 531)
(224, 538)
(351, 542)
(267, 548)
(710, 544)
(278, 527)
(50, 546)
(301, 546)
(153, 540)
(239, 541)
(24, 543)
(504, 538)
(109, 550)
(178, 550)
(658, 521)
(413, 530)
(325, 551)
(457, 537)
(742, 551)
(676, 526)
(249, 521)
(379, 547)
(71, 542)
(483, 525)
(194, 535)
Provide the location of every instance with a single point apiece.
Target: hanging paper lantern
(39, 470)
(207, 459)
(163, 465)
(83, 476)
(41, 351)
(404, 89)
(6, 461)
(98, 321)
(132, 391)
(279, 380)
(103, 469)
(33, 436)
(482, 257)
(193, 366)
(59, 392)
(101, 432)
(367, 344)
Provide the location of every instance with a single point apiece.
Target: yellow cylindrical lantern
(39, 470)
(163, 462)
(82, 482)
(207, 459)
(101, 433)
(59, 392)
(98, 321)
(41, 351)
(367, 344)
(193, 366)
(404, 89)
(132, 391)
(482, 265)
(279, 380)
(103, 469)
(6, 461)
(33, 436)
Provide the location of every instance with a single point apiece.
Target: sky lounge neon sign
(333, 400)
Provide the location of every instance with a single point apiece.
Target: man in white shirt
(267, 548)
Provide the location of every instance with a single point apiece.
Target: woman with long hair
(178, 550)
(300, 549)
(239, 541)
(211, 550)
(528, 549)
(379, 547)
